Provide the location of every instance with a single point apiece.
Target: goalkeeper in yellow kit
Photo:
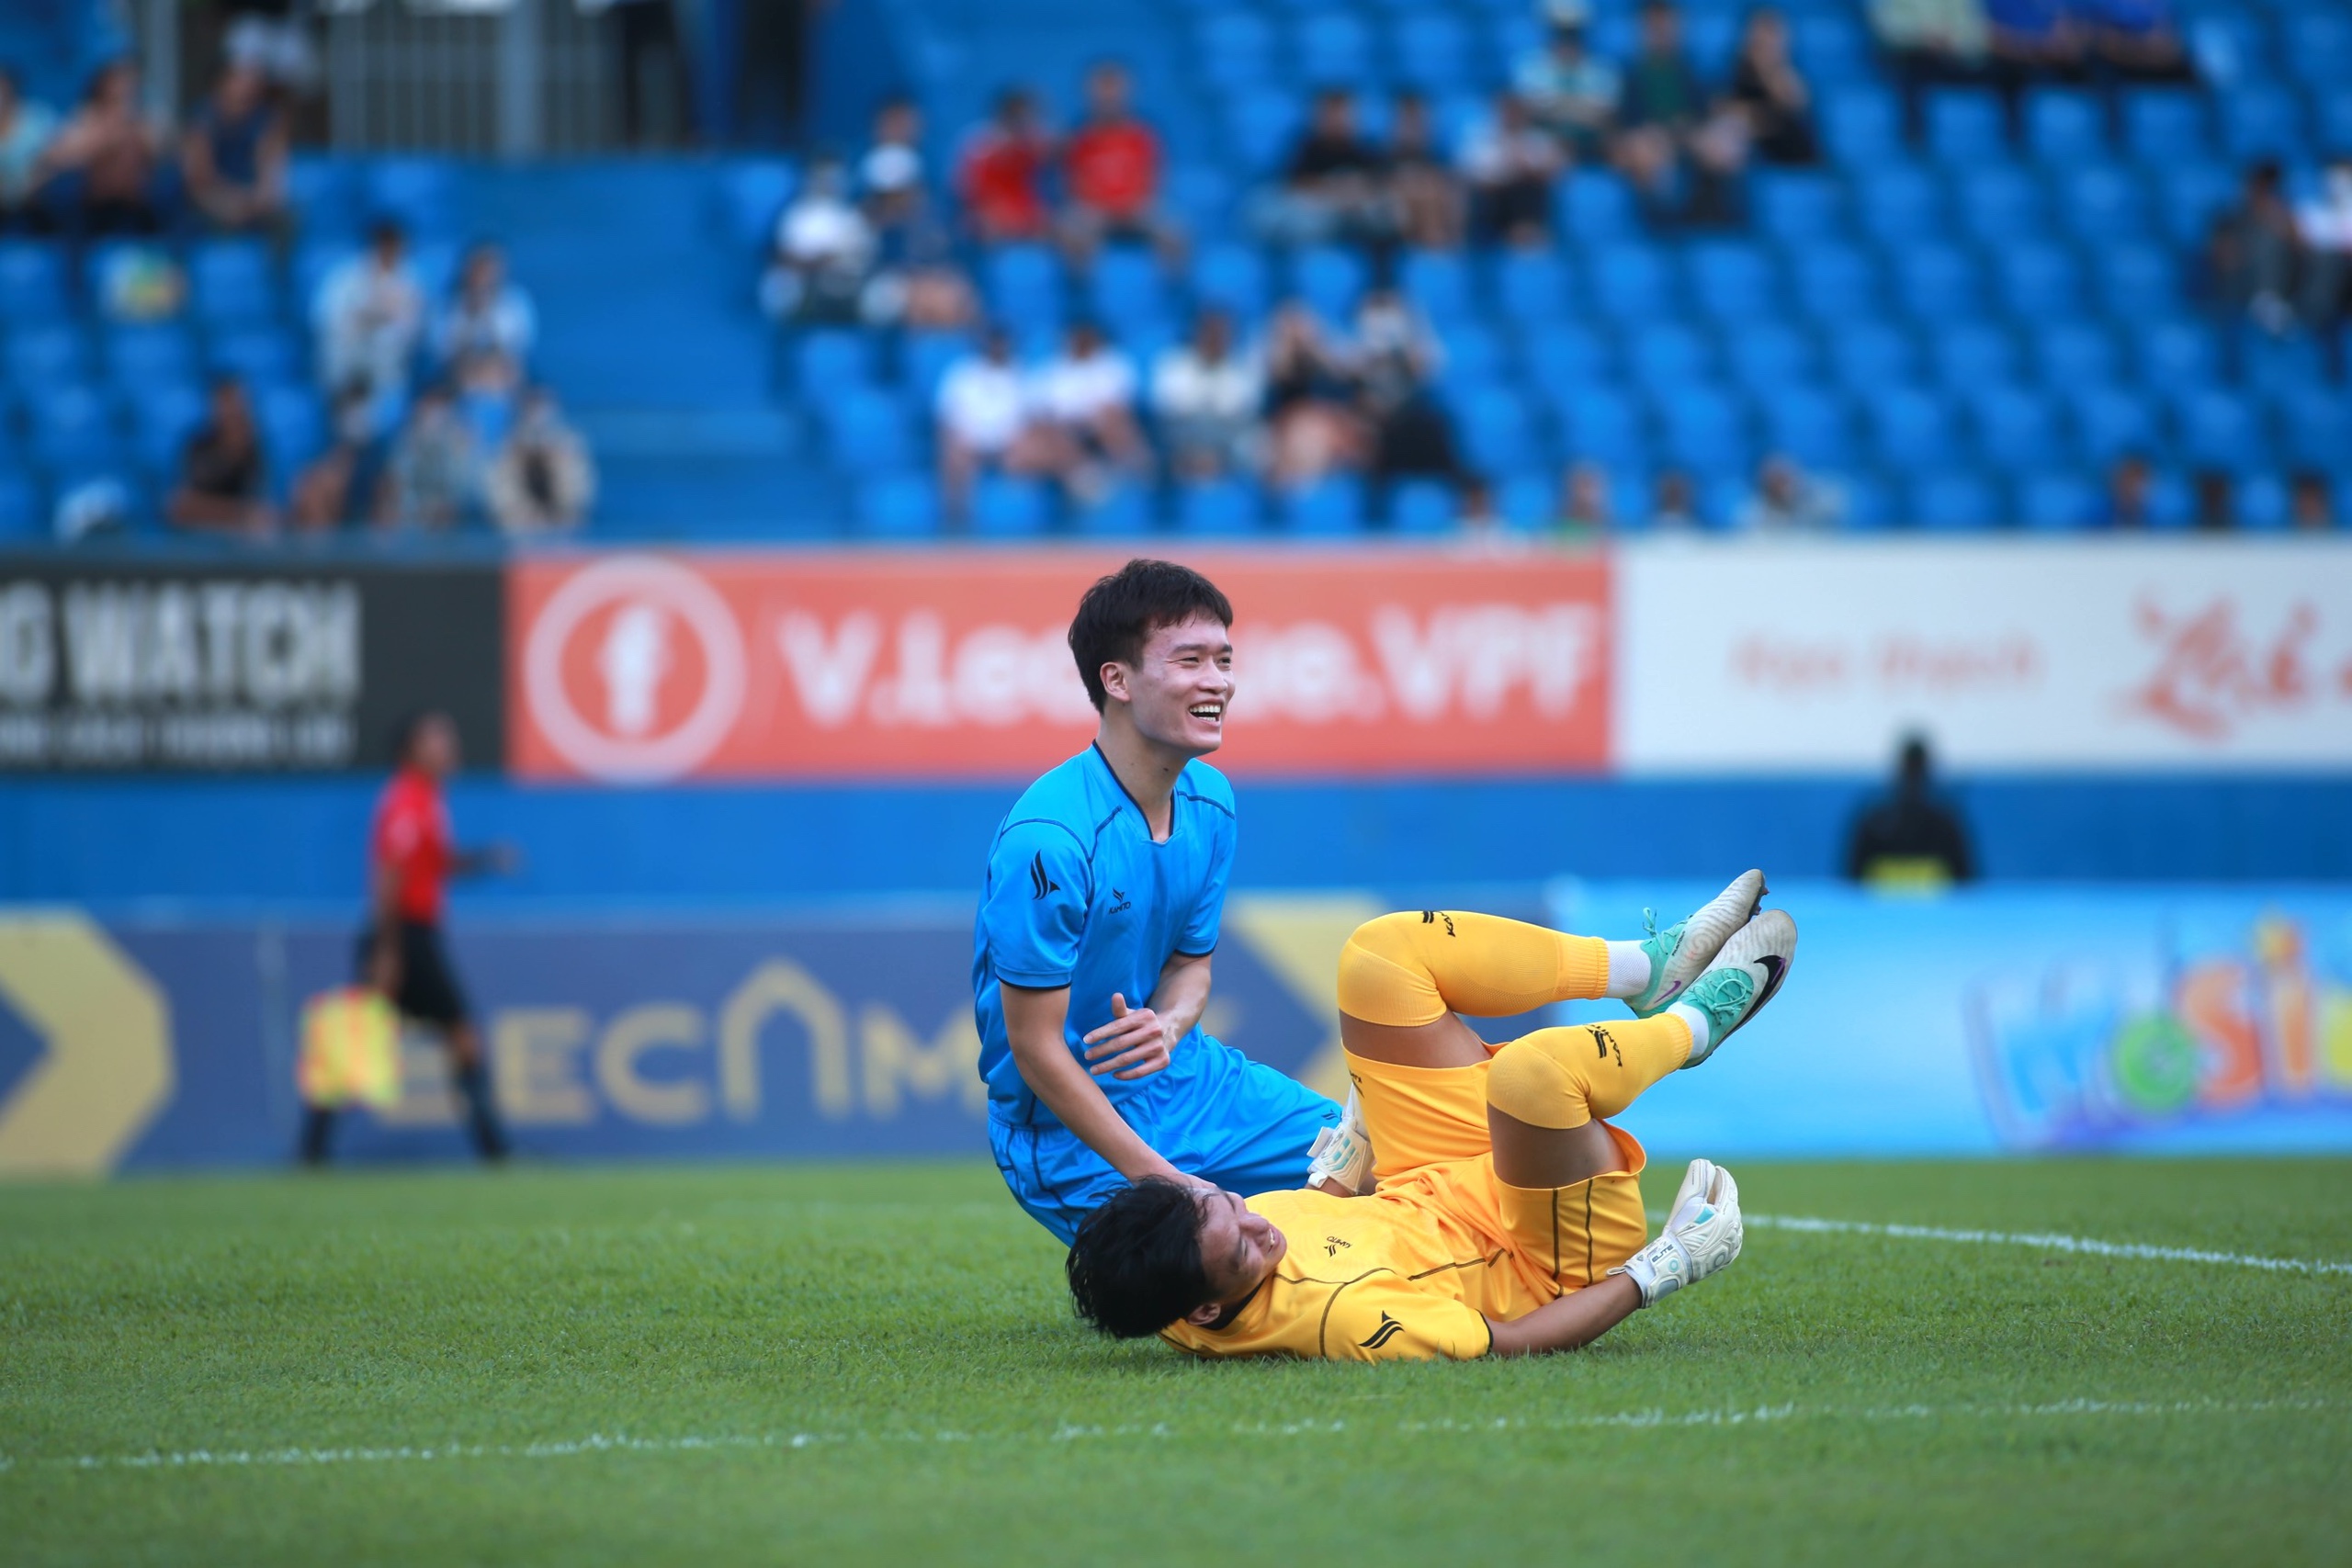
(1506, 1216)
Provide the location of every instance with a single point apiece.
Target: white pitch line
(603, 1443)
(2054, 1244)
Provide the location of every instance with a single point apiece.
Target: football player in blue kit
(1091, 957)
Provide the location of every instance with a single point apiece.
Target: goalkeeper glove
(1344, 1154)
(1702, 1235)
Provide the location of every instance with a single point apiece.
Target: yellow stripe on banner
(1299, 937)
(108, 1070)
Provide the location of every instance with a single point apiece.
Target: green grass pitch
(875, 1364)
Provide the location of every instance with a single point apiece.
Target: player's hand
(1134, 1044)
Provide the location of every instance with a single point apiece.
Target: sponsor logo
(1431, 917)
(1604, 1043)
(1332, 1244)
(1039, 882)
(1124, 904)
(1389, 1329)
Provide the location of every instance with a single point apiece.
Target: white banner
(2016, 654)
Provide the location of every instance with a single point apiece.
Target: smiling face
(1177, 691)
(1239, 1249)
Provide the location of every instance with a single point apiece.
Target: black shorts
(429, 991)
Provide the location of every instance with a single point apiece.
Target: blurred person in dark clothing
(1767, 87)
(1422, 189)
(223, 484)
(2131, 493)
(1333, 187)
(411, 856)
(2250, 251)
(233, 157)
(2217, 506)
(1909, 837)
(2309, 505)
(1510, 162)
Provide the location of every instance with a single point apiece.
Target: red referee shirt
(410, 844)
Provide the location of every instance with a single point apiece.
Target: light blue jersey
(1078, 895)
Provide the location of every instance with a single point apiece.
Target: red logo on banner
(631, 667)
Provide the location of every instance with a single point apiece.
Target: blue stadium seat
(1122, 513)
(1433, 51)
(258, 355)
(1231, 278)
(2064, 127)
(1475, 355)
(1217, 506)
(417, 191)
(1525, 498)
(1837, 284)
(72, 427)
(1497, 430)
(1566, 362)
(870, 430)
(2166, 128)
(1665, 359)
(2071, 355)
(234, 282)
(2057, 500)
(829, 360)
(1124, 285)
(1862, 125)
(1795, 208)
(2316, 44)
(2333, 114)
(162, 420)
(2318, 433)
(1732, 282)
(1965, 126)
(20, 517)
(1331, 505)
(2262, 504)
(1024, 283)
(32, 280)
(1532, 286)
(2178, 358)
(1901, 205)
(1004, 507)
(1707, 432)
(293, 427)
(2039, 283)
(2222, 429)
(1421, 506)
(1437, 282)
(2262, 121)
(2001, 205)
(1333, 47)
(1911, 428)
(142, 355)
(1812, 427)
(2137, 282)
(1591, 207)
(1938, 283)
(2190, 197)
(2101, 204)
(897, 506)
(1969, 356)
(1262, 123)
(1200, 196)
(1602, 427)
(2280, 370)
(1234, 48)
(2110, 422)
(750, 197)
(2230, 43)
(1954, 500)
(1830, 46)
(1329, 278)
(1769, 358)
(1869, 358)
(2016, 429)
(1631, 282)
(924, 357)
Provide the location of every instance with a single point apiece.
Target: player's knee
(1382, 980)
(1531, 1083)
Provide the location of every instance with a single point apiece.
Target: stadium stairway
(648, 334)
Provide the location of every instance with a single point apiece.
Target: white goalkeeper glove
(1342, 1153)
(1702, 1235)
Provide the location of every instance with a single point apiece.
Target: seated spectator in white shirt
(988, 420)
(542, 480)
(1789, 500)
(1088, 391)
(486, 314)
(1571, 91)
(1510, 162)
(434, 475)
(369, 316)
(823, 256)
(890, 174)
(1209, 402)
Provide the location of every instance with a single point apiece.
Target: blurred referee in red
(412, 855)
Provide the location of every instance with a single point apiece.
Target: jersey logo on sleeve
(1389, 1329)
(1038, 880)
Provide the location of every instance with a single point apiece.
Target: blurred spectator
(338, 487)
(1088, 392)
(223, 481)
(1573, 92)
(2135, 40)
(1396, 356)
(1790, 501)
(541, 481)
(985, 423)
(1001, 175)
(436, 468)
(26, 129)
(1422, 189)
(2217, 505)
(890, 174)
(1332, 186)
(824, 252)
(101, 167)
(655, 99)
(367, 317)
(1583, 511)
(1475, 515)
(272, 38)
(1909, 837)
(1310, 406)
(1206, 399)
(1510, 162)
(1684, 156)
(2131, 493)
(2250, 251)
(1110, 167)
(1767, 87)
(1931, 43)
(1674, 504)
(2325, 226)
(2309, 504)
(929, 293)
(2035, 40)
(484, 338)
(233, 157)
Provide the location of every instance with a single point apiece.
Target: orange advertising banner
(953, 664)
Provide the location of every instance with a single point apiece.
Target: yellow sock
(1417, 966)
(1564, 1077)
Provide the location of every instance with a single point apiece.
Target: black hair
(409, 727)
(1123, 609)
(1135, 1267)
